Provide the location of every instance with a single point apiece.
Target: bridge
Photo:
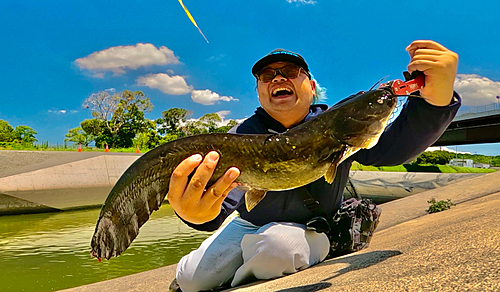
(473, 126)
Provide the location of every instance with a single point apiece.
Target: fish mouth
(365, 117)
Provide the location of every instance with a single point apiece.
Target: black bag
(350, 229)
(353, 226)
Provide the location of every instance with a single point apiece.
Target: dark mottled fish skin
(267, 162)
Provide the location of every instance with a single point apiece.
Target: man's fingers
(425, 47)
(201, 176)
(422, 66)
(180, 176)
(428, 52)
(219, 190)
(425, 44)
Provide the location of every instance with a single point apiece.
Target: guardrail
(479, 109)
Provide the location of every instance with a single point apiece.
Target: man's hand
(440, 68)
(189, 198)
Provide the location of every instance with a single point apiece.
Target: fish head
(361, 118)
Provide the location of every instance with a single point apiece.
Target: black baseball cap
(280, 55)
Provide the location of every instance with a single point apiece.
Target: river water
(51, 251)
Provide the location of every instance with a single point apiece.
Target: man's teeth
(276, 90)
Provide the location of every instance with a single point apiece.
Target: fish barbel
(267, 162)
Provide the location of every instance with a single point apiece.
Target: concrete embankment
(34, 181)
(38, 181)
(386, 186)
(454, 250)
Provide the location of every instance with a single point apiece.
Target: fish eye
(380, 101)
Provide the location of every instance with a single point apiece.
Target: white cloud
(302, 1)
(223, 114)
(173, 85)
(118, 59)
(62, 112)
(216, 58)
(476, 90)
(97, 75)
(435, 148)
(207, 97)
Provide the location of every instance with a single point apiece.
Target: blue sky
(55, 53)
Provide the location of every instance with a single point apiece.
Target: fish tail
(139, 192)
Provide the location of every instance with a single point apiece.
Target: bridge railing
(478, 109)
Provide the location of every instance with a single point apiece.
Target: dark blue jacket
(418, 126)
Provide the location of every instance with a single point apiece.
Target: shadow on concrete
(356, 261)
(421, 168)
(308, 288)
(360, 261)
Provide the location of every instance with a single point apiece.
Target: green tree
(227, 127)
(171, 120)
(206, 124)
(94, 127)
(210, 122)
(192, 128)
(435, 157)
(78, 135)
(122, 117)
(141, 140)
(148, 139)
(6, 132)
(25, 134)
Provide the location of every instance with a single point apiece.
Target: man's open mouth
(281, 91)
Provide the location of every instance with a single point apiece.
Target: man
(272, 240)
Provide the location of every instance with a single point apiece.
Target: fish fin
(330, 173)
(332, 170)
(253, 197)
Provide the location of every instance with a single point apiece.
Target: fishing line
(402, 99)
(192, 19)
(378, 82)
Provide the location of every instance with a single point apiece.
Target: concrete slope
(415, 206)
(381, 186)
(15, 162)
(454, 250)
(62, 186)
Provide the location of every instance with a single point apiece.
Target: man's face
(286, 97)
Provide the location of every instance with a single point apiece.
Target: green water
(51, 251)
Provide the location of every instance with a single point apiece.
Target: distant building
(462, 162)
(482, 165)
(468, 163)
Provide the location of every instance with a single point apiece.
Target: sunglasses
(289, 72)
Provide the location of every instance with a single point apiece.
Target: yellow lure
(192, 19)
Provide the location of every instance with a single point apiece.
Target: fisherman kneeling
(272, 240)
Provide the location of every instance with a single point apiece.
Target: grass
(355, 166)
(438, 206)
(421, 168)
(45, 147)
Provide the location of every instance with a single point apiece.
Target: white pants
(241, 252)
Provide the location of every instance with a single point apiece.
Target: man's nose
(278, 78)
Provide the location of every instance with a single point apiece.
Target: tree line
(119, 122)
(19, 134)
(444, 157)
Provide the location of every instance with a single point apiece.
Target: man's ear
(313, 87)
